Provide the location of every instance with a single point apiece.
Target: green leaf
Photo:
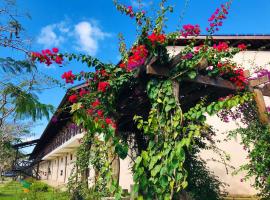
(155, 170)
(184, 184)
(168, 108)
(192, 74)
(180, 153)
(138, 160)
(145, 155)
(163, 181)
(153, 161)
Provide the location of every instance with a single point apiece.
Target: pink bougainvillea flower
(188, 56)
(157, 38)
(108, 120)
(55, 50)
(122, 65)
(242, 47)
(100, 113)
(47, 56)
(83, 92)
(58, 59)
(96, 103)
(103, 72)
(138, 57)
(130, 11)
(190, 30)
(89, 111)
(221, 46)
(102, 86)
(73, 98)
(216, 19)
(69, 77)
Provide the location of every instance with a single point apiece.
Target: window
(61, 172)
(61, 160)
(71, 156)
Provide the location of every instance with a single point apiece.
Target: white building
(58, 143)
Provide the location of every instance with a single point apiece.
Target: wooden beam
(265, 90)
(261, 106)
(176, 59)
(153, 69)
(217, 82)
(25, 144)
(259, 81)
(176, 90)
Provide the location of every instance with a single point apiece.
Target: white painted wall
(126, 175)
(249, 60)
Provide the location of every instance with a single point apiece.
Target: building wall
(247, 59)
(60, 168)
(250, 60)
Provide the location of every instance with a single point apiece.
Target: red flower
(103, 72)
(113, 125)
(83, 92)
(242, 47)
(55, 50)
(47, 51)
(129, 11)
(58, 59)
(89, 111)
(157, 38)
(102, 86)
(190, 30)
(108, 120)
(122, 65)
(222, 46)
(138, 58)
(69, 77)
(96, 103)
(73, 98)
(217, 17)
(47, 56)
(100, 113)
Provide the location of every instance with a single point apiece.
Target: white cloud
(142, 4)
(53, 35)
(48, 37)
(87, 36)
(84, 36)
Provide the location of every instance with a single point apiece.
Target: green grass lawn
(13, 190)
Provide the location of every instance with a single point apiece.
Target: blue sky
(91, 27)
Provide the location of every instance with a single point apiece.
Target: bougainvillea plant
(165, 130)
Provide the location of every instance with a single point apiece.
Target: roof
(258, 42)
(49, 131)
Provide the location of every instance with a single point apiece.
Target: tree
(20, 82)
(10, 132)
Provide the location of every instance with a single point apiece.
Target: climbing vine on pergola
(159, 99)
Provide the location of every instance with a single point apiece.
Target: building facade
(57, 147)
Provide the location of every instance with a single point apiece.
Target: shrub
(38, 186)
